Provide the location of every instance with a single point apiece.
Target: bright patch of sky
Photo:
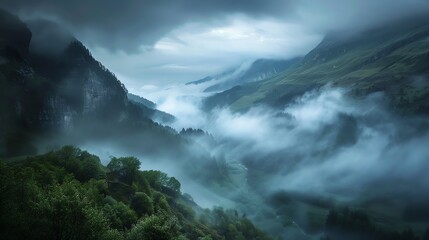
(196, 50)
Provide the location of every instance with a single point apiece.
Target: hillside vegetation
(391, 58)
(68, 194)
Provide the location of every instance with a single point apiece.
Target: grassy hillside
(392, 58)
(259, 70)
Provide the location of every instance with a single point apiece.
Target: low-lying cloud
(325, 142)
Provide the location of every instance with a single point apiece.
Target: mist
(296, 115)
(325, 145)
(348, 144)
(48, 39)
(325, 148)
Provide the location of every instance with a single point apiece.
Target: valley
(327, 145)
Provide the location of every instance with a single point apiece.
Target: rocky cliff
(50, 84)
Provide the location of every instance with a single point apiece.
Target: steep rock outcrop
(63, 92)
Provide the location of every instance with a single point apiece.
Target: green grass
(367, 62)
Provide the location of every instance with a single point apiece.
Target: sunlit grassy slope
(392, 58)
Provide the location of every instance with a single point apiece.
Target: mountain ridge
(258, 70)
(382, 59)
(61, 93)
(149, 109)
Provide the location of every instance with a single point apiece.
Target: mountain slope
(63, 92)
(68, 194)
(257, 71)
(392, 58)
(141, 100)
(149, 109)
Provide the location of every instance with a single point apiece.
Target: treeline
(351, 224)
(69, 194)
(79, 51)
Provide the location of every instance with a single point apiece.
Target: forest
(69, 194)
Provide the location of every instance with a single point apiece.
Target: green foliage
(356, 225)
(142, 204)
(67, 195)
(125, 169)
(112, 234)
(83, 165)
(156, 227)
(156, 179)
(174, 185)
(120, 191)
(186, 211)
(386, 59)
(71, 211)
(229, 224)
(160, 202)
(121, 216)
(161, 182)
(142, 184)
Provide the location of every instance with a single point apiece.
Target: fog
(48, 38)
(325, 144)
(326, 148)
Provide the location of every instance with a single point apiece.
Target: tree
(160, 203)
(161, 182)
(174, 185)
(156, 179)
(142, 184)
(90, 167)
(142, 204)
(60, 195)
(68, 210)
(156, 227)
(125, 169)
(120, 215)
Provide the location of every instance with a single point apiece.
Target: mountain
(141, 100)
(149, 109)
(52, 93)
(66, 97)
(202, 80)
(257, 71)
(51, 84)
(392, 59)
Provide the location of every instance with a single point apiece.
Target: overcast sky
(156, 43)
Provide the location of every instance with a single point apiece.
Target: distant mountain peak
(384, 59)
(257, 70)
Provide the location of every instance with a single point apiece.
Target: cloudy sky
(156, 43)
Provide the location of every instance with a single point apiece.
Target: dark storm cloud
(129, 24)
(48, 38)
(356, 15)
